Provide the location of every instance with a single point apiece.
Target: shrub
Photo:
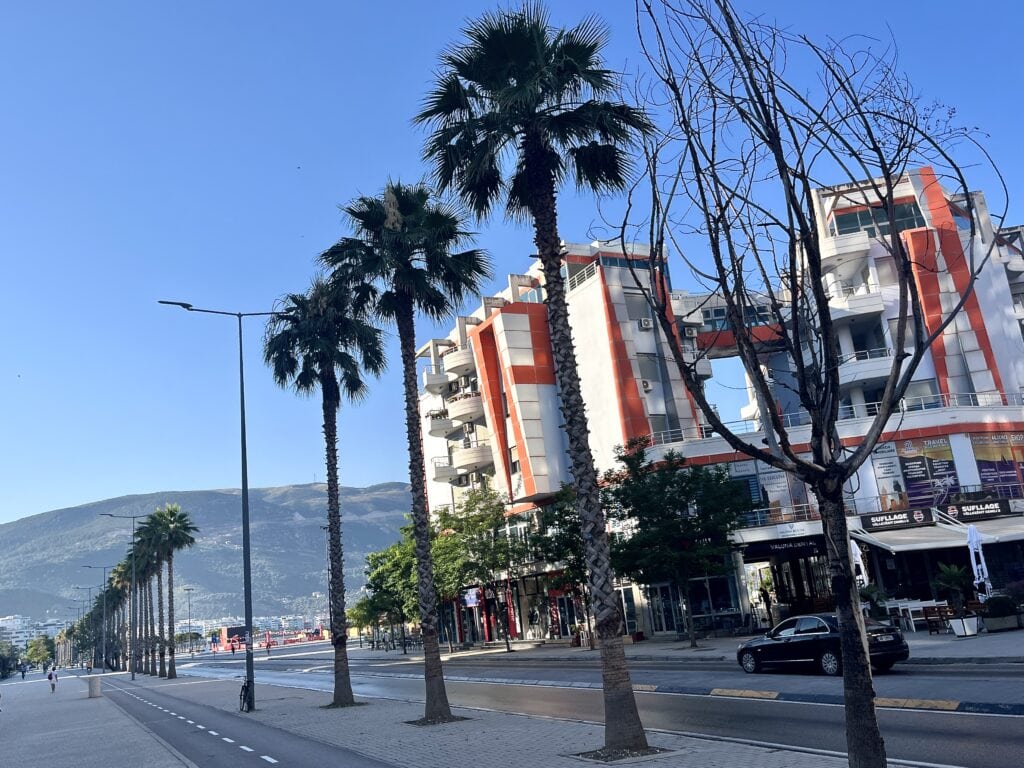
(999, 606)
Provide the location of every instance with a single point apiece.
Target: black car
(815, 640)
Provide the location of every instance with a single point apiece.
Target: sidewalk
(67, 728)
(382, 729)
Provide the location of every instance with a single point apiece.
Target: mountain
(41, 556)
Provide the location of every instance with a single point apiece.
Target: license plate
(884, 638)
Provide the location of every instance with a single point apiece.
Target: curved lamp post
(246, 555)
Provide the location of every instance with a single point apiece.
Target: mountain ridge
(41, 555)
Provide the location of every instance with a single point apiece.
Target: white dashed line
(213, 733)
(191, 722)
(201, 727)
(247, 749)
(181, 717)
(174, 714)
(268, 758)
(225, 738)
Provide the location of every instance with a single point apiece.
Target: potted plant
(955, 580)
(1015, 591)
(875, 598)
(1000, 613)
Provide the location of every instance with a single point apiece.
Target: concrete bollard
(94, 686)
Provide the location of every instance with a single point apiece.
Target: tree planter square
(1001, 623)
(966, 626)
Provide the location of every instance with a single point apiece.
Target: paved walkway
(66, 728)
(43, 730)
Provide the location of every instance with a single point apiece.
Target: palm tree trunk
(339, 623)
(171, 671)
(151, 646)
(864, 742)
(161, 638)
(623, 728)
(437, 708)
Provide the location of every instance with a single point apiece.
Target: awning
(942, 536)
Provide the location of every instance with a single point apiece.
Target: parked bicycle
(243, 697)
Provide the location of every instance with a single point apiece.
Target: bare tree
(739, 171)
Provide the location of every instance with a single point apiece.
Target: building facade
(953, 453)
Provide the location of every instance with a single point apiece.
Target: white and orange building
(954, 452)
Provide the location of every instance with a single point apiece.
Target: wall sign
(977, 510)
(903, 518)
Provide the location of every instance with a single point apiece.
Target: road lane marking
(181, 717)
(247, 749)
(201, 727)
(268, 758)
(225, 738)
(213, 733)
(191, 722)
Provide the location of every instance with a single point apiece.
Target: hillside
(41, 556)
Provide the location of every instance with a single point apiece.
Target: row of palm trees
(518, 107)
(158, 537)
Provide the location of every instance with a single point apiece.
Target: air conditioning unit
(469, 428)
(474, 477)
(464, 382)
(690, 333)
(645, 385)
(645, 323)
(467, 443)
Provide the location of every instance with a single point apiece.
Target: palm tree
(519, 88)
(150, 530)
(404, 258)
(317, 340)
(173, 529)
(149, 566)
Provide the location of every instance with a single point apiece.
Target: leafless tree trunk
(740, 167)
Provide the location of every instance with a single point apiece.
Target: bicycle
(243, 697)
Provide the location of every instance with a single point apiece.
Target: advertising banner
(1000, 460)
(968, 512)
(928, 470)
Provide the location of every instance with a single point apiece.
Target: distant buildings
(18, 630)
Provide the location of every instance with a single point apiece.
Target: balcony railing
(865, 354)
(795, 513)
(867, 410)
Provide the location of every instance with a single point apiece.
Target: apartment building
(952, 454)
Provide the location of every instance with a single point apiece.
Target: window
(875, 220)
(908, 334)
(785, 629)
(810, 625)
(715, 318)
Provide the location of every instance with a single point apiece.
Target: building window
(875, 220)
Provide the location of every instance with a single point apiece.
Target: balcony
(458, 361)
(849, 299)
(846, 247)
(471, 455)
(467, 407)
(864, 365)
(439, 425)
(794, 513)
(444, 472)
(435, 381)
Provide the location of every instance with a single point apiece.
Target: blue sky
(198, 152)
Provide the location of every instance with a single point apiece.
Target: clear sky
(198, 151)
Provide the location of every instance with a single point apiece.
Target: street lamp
(103, 626)
(86, 611)
(246, 555)
(132, 645)
(188, 591)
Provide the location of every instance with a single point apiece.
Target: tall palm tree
(151, 532)
(149, 567)
(404, 258)
(174, 531)
(518, 88)
(318, 341)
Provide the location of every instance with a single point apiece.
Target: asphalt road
(212, 738)
(940, 738)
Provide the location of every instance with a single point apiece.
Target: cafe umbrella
(860, 573)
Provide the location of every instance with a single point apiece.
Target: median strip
(943, 704)
(744, 694)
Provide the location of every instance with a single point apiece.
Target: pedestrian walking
(23, 673)
(52, 677)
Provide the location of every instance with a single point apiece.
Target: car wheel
(830, 663)
(882, 666)
(749, 662)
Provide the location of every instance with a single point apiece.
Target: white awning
(942, 536)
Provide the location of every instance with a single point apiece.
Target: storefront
(795, 571)
(905, 547)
